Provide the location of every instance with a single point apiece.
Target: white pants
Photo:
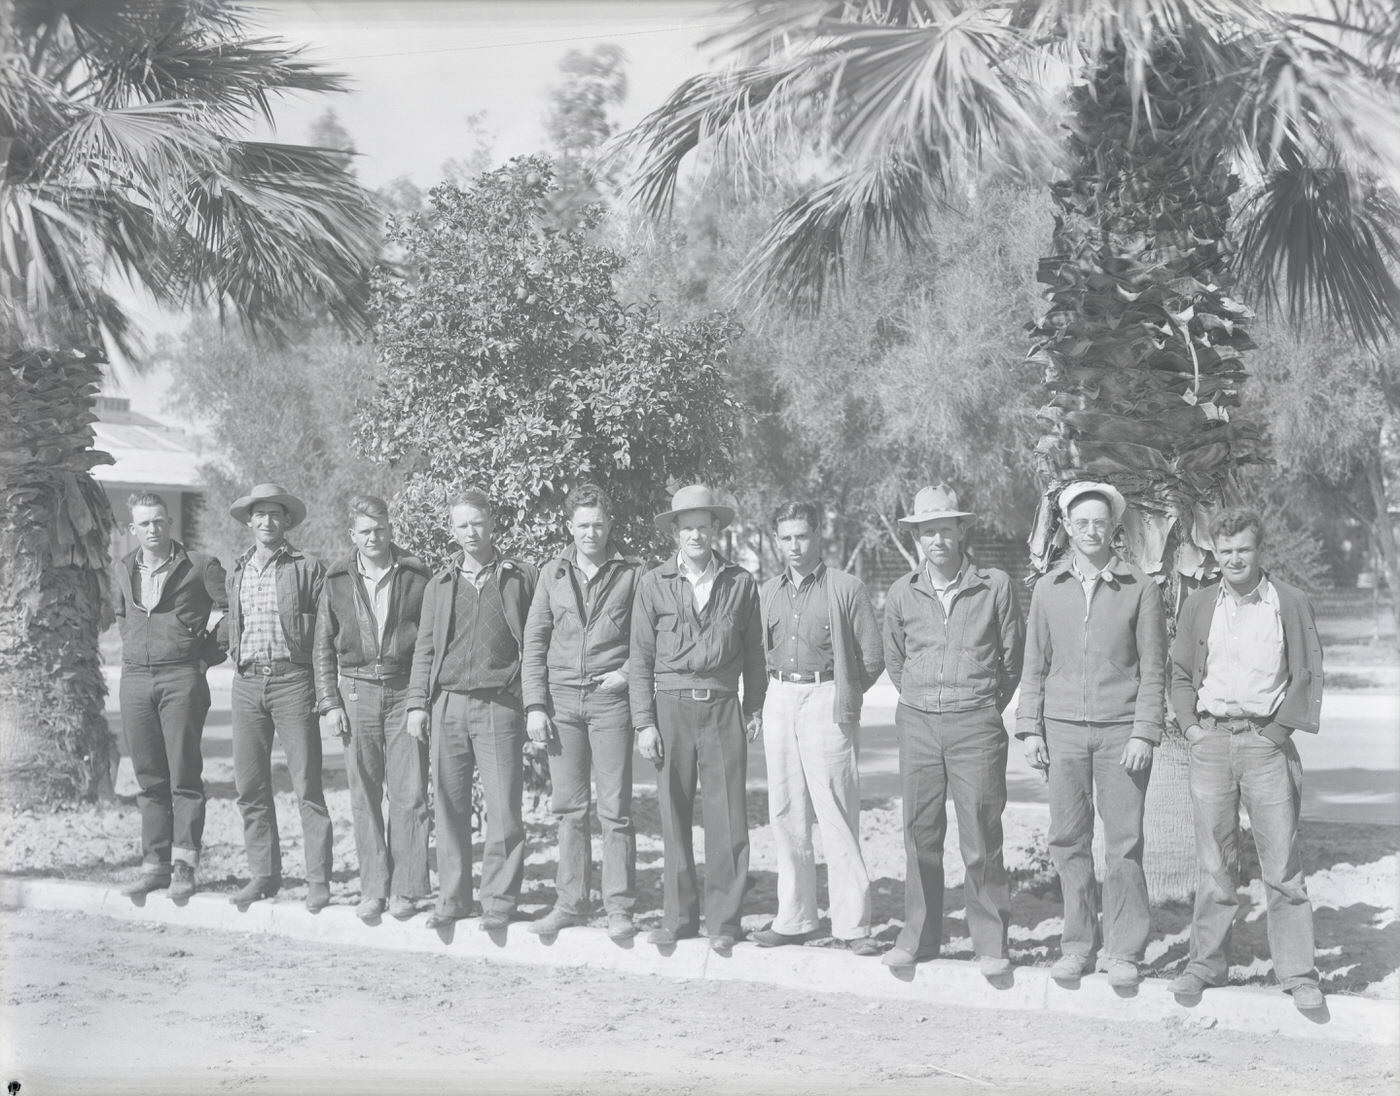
(813, 775)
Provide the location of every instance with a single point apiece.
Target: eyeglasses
(1083, 525)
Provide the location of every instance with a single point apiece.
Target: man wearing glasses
(1091, 712)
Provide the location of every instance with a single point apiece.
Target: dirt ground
(227, 1012)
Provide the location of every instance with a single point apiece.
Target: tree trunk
(1141, 350)
(54, 601)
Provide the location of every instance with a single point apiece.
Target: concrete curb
(946, 982)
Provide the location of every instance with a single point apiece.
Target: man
(466, 672)
(164, 598)
(822, 647)
(1091, 711)
(953, 644)
(696, 630)
(574, 681)
(273, 591)
(366, 626)
(1246, 674)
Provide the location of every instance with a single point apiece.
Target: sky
(418, 68)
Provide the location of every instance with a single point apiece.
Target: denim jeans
(1227, 769)
(285, 703)
(381, 757)
(595, 739)
(163, 710)
(813, 776)
(962, 755)
(485, 729)
(1085, 763)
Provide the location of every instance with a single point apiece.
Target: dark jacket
(1106, 666)
(564, 645)
(177, 629)
(674, 647)
(855, 638)
(1301, 707)
(516, 581)
(299, 579)
(347, 640)
(956, 661)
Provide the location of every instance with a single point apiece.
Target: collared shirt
(377, 592)
(262, 639)
(1090, 582)
(153, 580)
(592, 576)
(477, 575)
(947, 590)
(1246, 664)
(701, 582)
(800, 633)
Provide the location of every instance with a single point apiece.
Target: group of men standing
(437, 676)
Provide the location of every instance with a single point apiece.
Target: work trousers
(962, 755)
(283, 703)
(1085, 763)
(163, 710)
(1227, 769)
(382, 757)
(704, 740)
(484, 730)
(595, 740)
(814, 777)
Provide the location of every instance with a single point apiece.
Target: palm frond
(1331, 245)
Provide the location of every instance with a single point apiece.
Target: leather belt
(695, 694)
(1239, 724)
(272, 669)
(794, 678)
(377, 678)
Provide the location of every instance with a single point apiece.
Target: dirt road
(94, 1005)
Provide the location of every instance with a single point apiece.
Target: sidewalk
(951, 983)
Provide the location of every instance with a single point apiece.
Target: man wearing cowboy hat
(696, 632)
(823, 650)
(1091, 712)
(953, 644)
(465, 683)
(273, 591)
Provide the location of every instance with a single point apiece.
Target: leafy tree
(509, 362)
(579, 124)
(123, 159)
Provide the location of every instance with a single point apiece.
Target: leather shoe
(772, 938)
(867, 947)
(665, 938)
(554, 920)
(722, 944)
(255, 890)
(993, 966)
(182, 881)
(1307, 997)
(147, 882)
(494, 921)
(899, 957)
(1123, 973)
(620, 926)
(318, 896)
(1188, 985)
(1069, 968)
(402, 908)
(369, 910)
(440, 920)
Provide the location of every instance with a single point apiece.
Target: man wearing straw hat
(953, 644)
(1091, 713)
(695, 633)
(272, 594)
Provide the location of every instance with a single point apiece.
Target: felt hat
(269, 492)
(1116, 505)
(697, 496)
(935, 504)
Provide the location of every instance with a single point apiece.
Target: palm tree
(122, 164)
(1141, 346)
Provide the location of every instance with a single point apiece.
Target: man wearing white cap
(695, 633)
(272, 594)
(1091, 712)
(953, 643)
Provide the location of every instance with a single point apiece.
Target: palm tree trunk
(54, 547)
(1141, 350)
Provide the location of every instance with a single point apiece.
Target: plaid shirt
(262, 640)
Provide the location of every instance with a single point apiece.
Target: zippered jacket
(567, 643)
(958, 661)
(674, 647)
(177, 629)
(299, 579)
(1104, 661)
(348, 642)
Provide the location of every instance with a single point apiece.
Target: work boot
(182, 881)
(318, 896)
(148, 881)
(554, 920)
(258, 888)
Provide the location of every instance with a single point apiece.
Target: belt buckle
(265, 669)
(795, 678)
(701, 694)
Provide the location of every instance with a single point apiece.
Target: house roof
(147, 453)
